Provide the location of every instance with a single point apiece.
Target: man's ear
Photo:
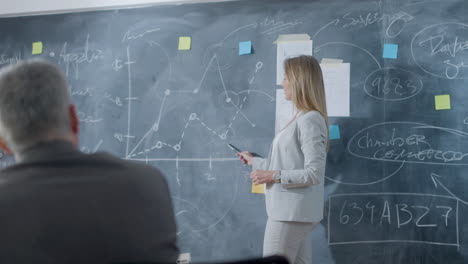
(4, 147)
(74, 121)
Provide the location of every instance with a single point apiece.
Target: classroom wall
(30, 7)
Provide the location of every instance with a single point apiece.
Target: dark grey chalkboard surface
(396, 177)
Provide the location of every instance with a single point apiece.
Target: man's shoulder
(101, 164)
(108, 159)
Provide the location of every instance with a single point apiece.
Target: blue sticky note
(334, 132)
(390, 51)
(245, 47)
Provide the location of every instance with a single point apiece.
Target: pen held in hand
(238, 150)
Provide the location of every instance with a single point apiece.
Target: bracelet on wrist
(277, 176)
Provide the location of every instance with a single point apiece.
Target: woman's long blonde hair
(306, 84)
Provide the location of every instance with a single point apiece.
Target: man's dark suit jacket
(59, 205)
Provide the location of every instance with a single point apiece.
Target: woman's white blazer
(300, 155)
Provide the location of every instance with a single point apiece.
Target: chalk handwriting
(438, 45)
(75, 58)
(83, 117)
(116, 100)
(452, 70)
(4, 59)
(381, 85)
(398, 214)
(132, 36)
(117, 65)
(85, 150)
(395, 23)
(403, 146)
(446, 45)
(388, 217)
(119, 137)
(82, 92)
(273, 26)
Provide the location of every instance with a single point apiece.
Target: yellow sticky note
(442, 102)
(184, 43)
(37, 47)
(258, 188)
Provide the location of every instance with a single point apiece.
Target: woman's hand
(246, 157)
(262, 176)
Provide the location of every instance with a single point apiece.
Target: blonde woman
(295, 168)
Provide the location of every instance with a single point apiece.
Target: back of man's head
(34, 104)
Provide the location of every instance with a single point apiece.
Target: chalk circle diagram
(441, 50)
(392, 84)
(401, 143)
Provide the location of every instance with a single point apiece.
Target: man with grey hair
(59, 205)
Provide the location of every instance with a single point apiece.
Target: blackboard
(396, 178)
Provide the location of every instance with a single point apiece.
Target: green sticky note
(37, 47)
(184, 43)
(442, 102)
